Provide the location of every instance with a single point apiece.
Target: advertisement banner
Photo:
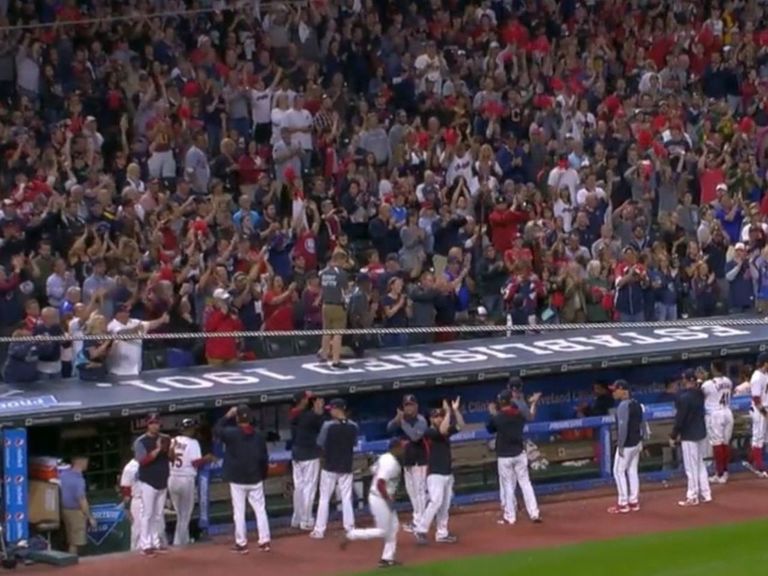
(16, 488)
(108, 518)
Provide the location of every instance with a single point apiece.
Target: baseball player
(690, 430)
(151, 452)
(129, 482)
(507, 422)
(186, 457)
(411, 426)
(337, 439)
(440, 472)
(759, 413)
(245, 467)
(528, 410)
(717, 391)
(307, 417)
(629, 445)
(386, 476)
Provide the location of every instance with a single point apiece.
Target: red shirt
(221, 348)
(505, 226)
(708, 181)
(277, 316)
(306, 246)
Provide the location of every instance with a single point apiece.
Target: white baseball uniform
(181, 484)
(759, 385)
(387, 468)
(717, 405)
(129, 485)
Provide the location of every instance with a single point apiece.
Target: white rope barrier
(491, 330)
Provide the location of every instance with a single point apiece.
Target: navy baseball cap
(187, 423)
(409, 399)
(762, 358)
(244, 413)
(337, 403)
(505, 396)
(435, 412)
(619, 384)
(689, 374)
(153, 418)
(515, 383)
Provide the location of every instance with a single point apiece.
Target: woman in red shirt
(221, 317)
(278, 304)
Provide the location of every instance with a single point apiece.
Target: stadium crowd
(460, 161)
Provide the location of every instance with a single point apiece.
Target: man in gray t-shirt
(333, 285)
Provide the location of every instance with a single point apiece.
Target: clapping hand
(456, 404)
(492, 408)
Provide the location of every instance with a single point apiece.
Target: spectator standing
(20, 366)
(691, 432)
(221, 318)
(151, 452)
(245, 467)
(125, 356)
(741, 275)
(337, 440)
(75, 509)
(362, 309)
(49, 353)
(307, 417)
(631, 280)
(334, 284)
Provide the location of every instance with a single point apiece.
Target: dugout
(61, 418)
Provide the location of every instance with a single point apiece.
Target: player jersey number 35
(185, 452)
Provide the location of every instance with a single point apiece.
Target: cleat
(149, 553)
(316, 535)
(505, 522)
(409, 528)
(689, 502)
(537, 520)
(388, 563)
(447, 539)
(421, 539)
(619, 510)
(634, 507)
(266, 547)
(238, 549)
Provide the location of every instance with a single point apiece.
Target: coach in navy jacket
(246, 464)
(691, 431)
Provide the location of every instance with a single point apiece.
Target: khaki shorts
(334, 317)
(74, 525)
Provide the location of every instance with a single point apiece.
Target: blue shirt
(72, 488)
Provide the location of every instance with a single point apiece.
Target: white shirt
(759, 386)
(261, 106)
(130, 477)
(568, 178)
(387, 468)
(743, 389)
(301, 120)
(125, 355)
(277, 117)
(186, 451)
(581, 195)
(717, 394)
(459, 166)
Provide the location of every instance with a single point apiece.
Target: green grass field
(730, 550)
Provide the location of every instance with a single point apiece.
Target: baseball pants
(626, 475)
(696, 469)
(440, 492)
(513, 471)
(759, 433)
(152, 516)
(254, 495)
(181, 491)
(719, 433)
(306, 475)
(386, 528)
(416, 488)
(135, 510)
(342, 484)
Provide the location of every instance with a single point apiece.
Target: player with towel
(629, 445)
(245, 467)
(507, 422)
(690, 431)
(307, 417)
(445, 422)
(337, 439)
(386, 476)
(410, 426)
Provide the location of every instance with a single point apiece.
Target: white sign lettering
(236, 378)
(185, 382)
(416, 360)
